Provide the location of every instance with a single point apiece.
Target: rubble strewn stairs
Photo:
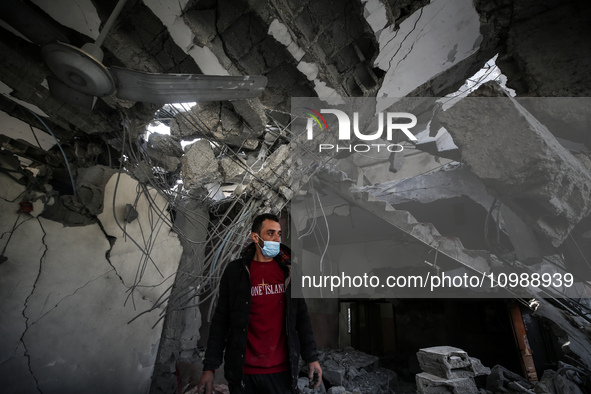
(477, 260)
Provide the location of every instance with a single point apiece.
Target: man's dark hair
(257, 224)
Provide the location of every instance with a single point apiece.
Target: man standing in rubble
(260, 326)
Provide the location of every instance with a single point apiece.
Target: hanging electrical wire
(229, 219)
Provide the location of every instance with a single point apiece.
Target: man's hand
(205, 382)
(315, 374)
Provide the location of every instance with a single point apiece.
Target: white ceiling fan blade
(181, 88)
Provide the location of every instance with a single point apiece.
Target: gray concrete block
(446, 362)
(431, 384)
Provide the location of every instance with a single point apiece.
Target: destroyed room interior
(140, 138)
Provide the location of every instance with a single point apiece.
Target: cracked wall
(68, 294)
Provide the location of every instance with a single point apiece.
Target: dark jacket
(229, 327)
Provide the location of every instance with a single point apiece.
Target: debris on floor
(448, 369)
(350, 371)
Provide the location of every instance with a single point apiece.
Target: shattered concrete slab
(411, 58)
(166, 144)
(90, 186)
(447, 369)
(356, 372)
(214, 120)
(165, 151)
(67, 305)
(503, 380)
(232, 168)
(520, 161)
(449, 363)
(199, 165)
(431, 384)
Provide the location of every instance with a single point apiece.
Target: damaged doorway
(367, 326)
(395, 329)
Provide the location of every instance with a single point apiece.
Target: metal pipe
(103, 34)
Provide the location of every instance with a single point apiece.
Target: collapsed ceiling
(327, 49)
(304, 49)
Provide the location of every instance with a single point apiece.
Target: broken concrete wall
(520, 161)
(183, 321)
(67, 295)
(199, 165)
(215, 120)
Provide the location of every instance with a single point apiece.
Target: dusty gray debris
(546, 383)
(199, 165)
(166, 163)
(166, 144)
(333, 373)
(253, 113)
(202, 23)
(431, 384)
(83, 208)
(446, 362)
(213, 120)
(232, 167)
(337, 390)
(90, 186)
(356, 372)
(164, 151)
(304, 386)
(478, 368)
(567, 380)
(142, 172)
(538, 178)
(352, 372)
(448, 369)
(350, 357)
(518, 388)
(377, 381)
(500, 377)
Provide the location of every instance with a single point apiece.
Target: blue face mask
(270, 249)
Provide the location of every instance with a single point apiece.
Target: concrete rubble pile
(165, 151)
(448, 369)
(350, 371)
(346, 371)
(566, 380)
(215, 121)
